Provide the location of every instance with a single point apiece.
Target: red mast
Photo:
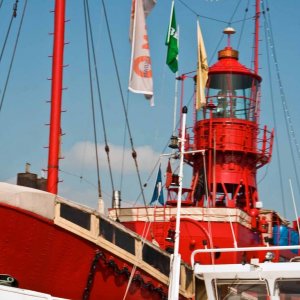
(56, 96)
(256, 44)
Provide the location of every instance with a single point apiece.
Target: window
(156, 259)
(117, 236)
(240, 289)
(76, 216)
(288, 289)
(231, 96)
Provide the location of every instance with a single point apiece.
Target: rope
(214, 19)
(201, 16)
(100, 99)
(287, 117)
(243, 26)
(229, 22)
(124, 145)
(14, 52)
(164, 149)
(14, 14)
(92, 99)
(275, 126)
(234, 12)
(134, 154)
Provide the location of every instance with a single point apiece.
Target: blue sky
(23, 134)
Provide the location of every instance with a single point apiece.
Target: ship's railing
(119, 240)
(241, 249)
(232, 135)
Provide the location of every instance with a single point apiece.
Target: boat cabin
(255, 281)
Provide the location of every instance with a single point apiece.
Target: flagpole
(175, 104)
(133, 40)
(176, 257)
(172, 7)
(176, 92)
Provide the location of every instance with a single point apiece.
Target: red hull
(46, 258)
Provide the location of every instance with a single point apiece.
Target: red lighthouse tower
(225, 150)
(227, 129)
(225, 147)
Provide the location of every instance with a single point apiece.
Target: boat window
(200, 290)
(288, 288)
(117, 236)
(156, 259)
(106, 230)
(124, 241)
(76, 216)
(239, 289)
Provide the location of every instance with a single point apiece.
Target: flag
(169, 174)
(172, 42)
(140, 78)
(148, 6)
(158, 193)
(202, 71)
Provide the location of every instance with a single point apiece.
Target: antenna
(229, 31)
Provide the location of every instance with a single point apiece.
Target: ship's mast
(256, 43)
(56, 96)
(176, 257)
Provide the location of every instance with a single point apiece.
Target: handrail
(262, 248)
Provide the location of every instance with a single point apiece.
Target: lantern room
(231, 89)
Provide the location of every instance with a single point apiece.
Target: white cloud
(82, 156)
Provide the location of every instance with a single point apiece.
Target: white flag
(140, 79)
(148, 5)
(202, 71)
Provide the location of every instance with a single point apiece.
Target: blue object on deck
(280, 235)
(294, 239)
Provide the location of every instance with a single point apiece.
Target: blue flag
(158, 193)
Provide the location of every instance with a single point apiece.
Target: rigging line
(216, 49)
(14, 14)
(275, 125)
(92, 99)
(133, 270)
(201, 16)
(134, 154)
(234, 12)
(242, 20)
(99, 97)
(13, 56)
(124, 145)
(1, 3)
(287, 117)
(78, 176)
(84, 180)
(243, 25)
(294, 205)
(165, 147)
(211, 18)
